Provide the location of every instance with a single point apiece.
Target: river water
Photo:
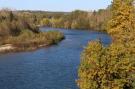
(53, 67)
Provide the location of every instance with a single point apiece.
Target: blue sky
(55, 5)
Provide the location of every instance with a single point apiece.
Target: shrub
(106, 68)
(28, 38)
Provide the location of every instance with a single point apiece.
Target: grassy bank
(28, 40)
(19, 32)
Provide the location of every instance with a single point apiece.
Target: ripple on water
(54, 67)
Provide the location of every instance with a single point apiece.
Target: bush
(106, 68)
(29, 39)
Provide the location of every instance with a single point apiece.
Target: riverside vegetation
(112, 67)
(22, 33)
(20, 28)
(78, 19)
(92, 20)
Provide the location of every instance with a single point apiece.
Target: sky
(55, 5)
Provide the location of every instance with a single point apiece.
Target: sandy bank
(6, 47)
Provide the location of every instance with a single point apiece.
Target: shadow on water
(54, 67)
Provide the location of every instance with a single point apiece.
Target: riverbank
(29, 41)
(58, 63)
(6, 47)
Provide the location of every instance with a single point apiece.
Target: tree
(112, 67)
(123, 18)
(45, 22)
(106, 68)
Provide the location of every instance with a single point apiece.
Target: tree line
(79, 20)
(11, 23)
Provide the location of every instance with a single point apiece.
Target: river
(54, 67)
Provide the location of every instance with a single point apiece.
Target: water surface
(54, 67)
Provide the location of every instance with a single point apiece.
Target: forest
(78, 19)
(94, 20)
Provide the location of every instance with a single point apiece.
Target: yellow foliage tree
(123, 18)
(112, 67)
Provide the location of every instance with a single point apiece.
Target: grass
(28, 40)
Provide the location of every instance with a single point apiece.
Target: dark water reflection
(54, 67)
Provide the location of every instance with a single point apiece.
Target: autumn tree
(45, 22)
(112, 67)
(123, 19)
(106, 68)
